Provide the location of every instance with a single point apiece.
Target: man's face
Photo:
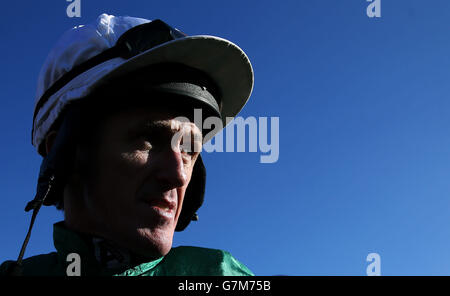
(140, 181)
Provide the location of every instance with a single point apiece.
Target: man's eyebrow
(161, 126)
(157, 125)
(150, 127)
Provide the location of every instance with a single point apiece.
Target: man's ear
(49, 140)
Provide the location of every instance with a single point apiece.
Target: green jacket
(180, 261)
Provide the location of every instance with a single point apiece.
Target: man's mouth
(162, 207)
(162, 204)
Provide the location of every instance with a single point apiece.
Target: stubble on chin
(153, 242)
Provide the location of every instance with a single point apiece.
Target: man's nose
(171, 171)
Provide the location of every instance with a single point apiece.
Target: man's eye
(187, 151)
(191, 146)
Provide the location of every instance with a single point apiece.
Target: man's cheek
(181, 193)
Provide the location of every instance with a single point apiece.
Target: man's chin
(153, 242)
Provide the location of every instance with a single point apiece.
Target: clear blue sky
(364, 110)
